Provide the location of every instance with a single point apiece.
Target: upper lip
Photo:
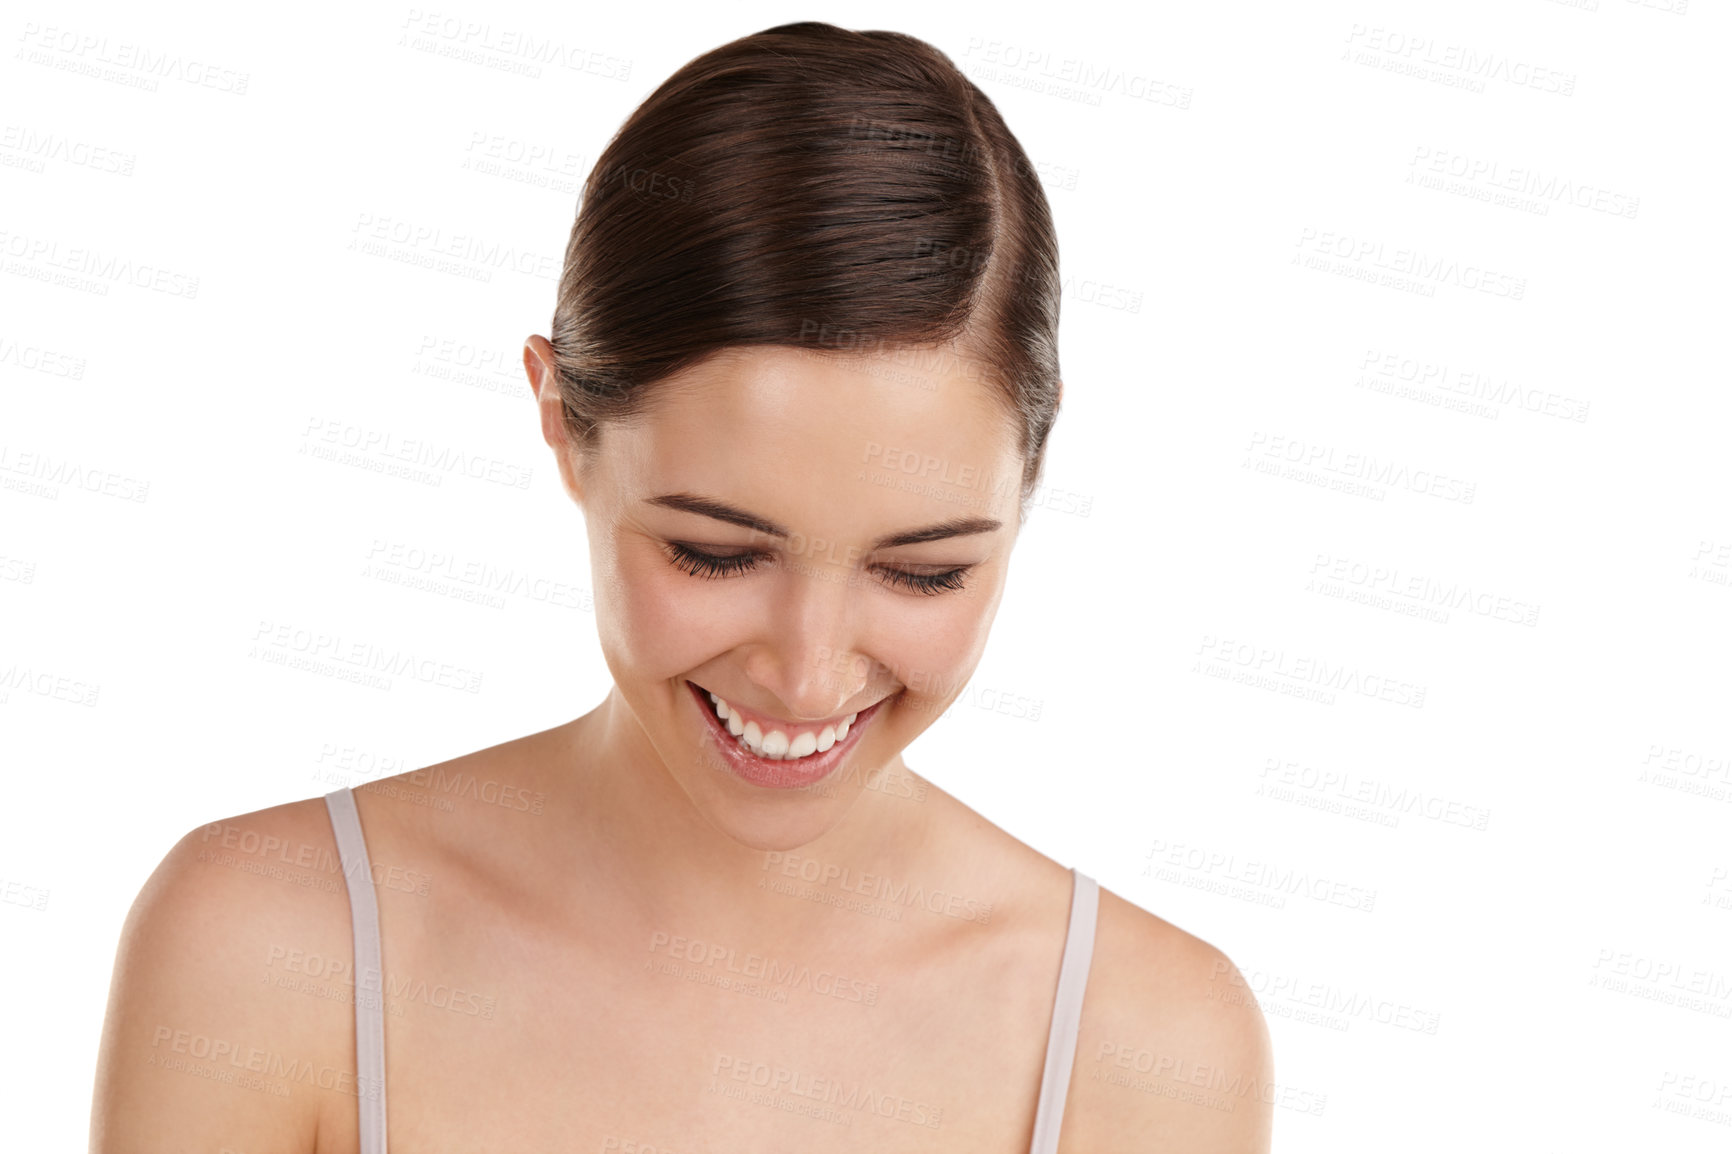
(763, 718)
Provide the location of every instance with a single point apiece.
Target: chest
(660, 1043)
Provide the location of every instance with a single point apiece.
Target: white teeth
(776, 744)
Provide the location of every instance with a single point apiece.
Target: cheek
(931, 649)
(658, 621)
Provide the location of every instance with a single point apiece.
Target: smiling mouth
(779, 740)
(770, 752)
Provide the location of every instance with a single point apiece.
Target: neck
(691, 854)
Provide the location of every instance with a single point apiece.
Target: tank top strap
(369, 969)
(1073, 976)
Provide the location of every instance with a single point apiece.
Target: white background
(1504, 906)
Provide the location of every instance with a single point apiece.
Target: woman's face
(809, 538)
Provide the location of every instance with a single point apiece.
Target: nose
(807, 660)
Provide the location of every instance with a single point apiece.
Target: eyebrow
(721, 511)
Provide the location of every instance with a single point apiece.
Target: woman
(718, 911)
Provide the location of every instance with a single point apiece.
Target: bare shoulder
(1171, 1053)
(230, 1013)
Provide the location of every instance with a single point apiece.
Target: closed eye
(710, 566)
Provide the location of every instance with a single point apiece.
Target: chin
(759, 818)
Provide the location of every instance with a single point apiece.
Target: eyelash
(710, 566)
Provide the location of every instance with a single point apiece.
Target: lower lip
(762, 771)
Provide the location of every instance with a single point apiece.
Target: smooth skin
(596, 938)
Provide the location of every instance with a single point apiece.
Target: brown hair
(814, 187)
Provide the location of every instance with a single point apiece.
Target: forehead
(784, 416)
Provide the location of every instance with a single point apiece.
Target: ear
(538, 363)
